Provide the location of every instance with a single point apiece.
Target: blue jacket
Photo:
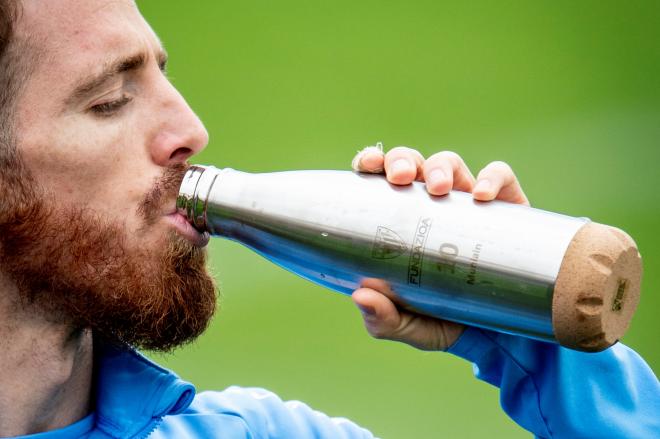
(548, 390)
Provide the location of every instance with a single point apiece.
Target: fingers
(445, 171)
(497, 181)
(442, 172)
(370, 159)
(384, 320)
(381, 317)
(403, 165)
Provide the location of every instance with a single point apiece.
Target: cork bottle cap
(597, 288)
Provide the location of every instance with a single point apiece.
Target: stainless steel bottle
(493, 265)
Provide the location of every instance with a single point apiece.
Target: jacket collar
(134, 393)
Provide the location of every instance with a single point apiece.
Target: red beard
(76, 267)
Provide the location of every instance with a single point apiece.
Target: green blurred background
(567, 92)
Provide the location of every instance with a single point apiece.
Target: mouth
(186, 230)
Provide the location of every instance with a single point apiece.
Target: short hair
(10, 78)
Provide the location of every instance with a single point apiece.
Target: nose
(179, 132)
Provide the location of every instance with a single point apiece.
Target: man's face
(104, 137)
(91, 133)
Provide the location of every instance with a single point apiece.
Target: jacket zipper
(151, 428)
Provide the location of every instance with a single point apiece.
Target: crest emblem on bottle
(387, 244)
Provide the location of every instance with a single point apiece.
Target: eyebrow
(88, 85)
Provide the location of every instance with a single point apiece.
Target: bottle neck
(193, 194)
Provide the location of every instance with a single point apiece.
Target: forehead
(78, 34)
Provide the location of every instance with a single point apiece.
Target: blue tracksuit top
(549, 390)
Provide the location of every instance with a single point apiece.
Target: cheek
(71, 148)
(99, 165)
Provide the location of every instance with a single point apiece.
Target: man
(95, 261)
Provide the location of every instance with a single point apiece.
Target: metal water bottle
(495, 265)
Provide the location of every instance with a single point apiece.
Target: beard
(83, 270)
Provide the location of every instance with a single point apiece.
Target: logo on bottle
(387, 244)
(417, 251)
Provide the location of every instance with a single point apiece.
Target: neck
(46, 376)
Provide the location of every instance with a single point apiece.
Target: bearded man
(96, 263)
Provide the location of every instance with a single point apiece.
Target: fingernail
(369, 159)
(366, 154)
(482, 186)
(436, 176)
(400, 165)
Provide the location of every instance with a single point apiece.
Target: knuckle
(449, 157)
(500, 166)
(377, 333)
(357, 163)
(379, 329)
(499, 170)
(370, 150)
(400, 151)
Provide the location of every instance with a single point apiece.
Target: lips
(185, 229)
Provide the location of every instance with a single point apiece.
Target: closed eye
(110, 108)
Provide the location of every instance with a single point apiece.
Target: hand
(442, 172)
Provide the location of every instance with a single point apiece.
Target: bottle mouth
(188, 202)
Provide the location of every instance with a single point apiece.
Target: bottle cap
(597, 288)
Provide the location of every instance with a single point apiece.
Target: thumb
(381, 316)
(384, 320)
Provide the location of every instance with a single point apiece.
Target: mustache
(165, 188)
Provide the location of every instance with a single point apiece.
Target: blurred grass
(567, 92)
